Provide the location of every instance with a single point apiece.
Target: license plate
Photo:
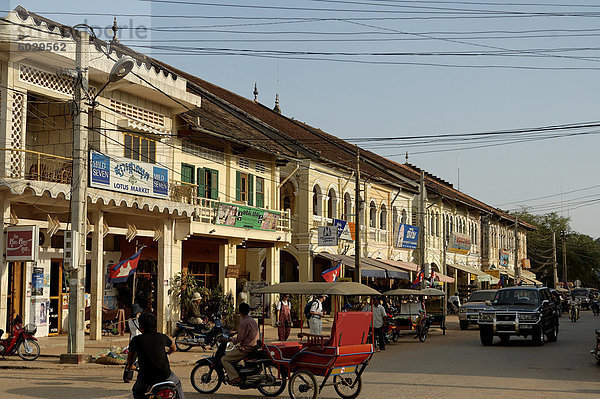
(343, 370)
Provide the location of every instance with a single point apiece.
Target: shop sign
(459, 244)
(37, 282)
(407, 236)
(247, 217)
(494, 273)
(345, 230)
(128, 176)
(258, 308)
(525, 263)
(22, 243)
(328, 236)
(233, 271)
(504, 257)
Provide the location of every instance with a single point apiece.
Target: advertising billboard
(459, 244)
(407, 236)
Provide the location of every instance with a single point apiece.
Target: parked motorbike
(21, 341)
(257, 372)
(596, 351)
(189, 335)
(162, 390)
(392, 333)
(595, 305)
(422, 325)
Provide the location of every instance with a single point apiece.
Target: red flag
(120, 272)
(418, 280)
(330, 275)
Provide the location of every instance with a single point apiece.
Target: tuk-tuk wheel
(303, 384)
(348, 386)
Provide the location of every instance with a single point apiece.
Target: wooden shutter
(214, 184)
(250, 189)
(201, 179)
(187, 173)
(238, 186)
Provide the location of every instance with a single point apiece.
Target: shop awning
(491, 279)
(408, 266)
(443, 278)
(467, 269)
(373, 268)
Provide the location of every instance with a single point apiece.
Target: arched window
(383, 218)
(394, 218)
(331, 203)
(347, 207)
(373, 215)
(317, 200)
(431, 217)
(404, 216)
(437, 224)
(287, 202)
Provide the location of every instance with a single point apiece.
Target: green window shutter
(250, 189)
(214, 184)
(201, 179)
(238, 186)
(260, 200)
(187, 173)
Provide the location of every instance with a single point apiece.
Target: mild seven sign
(128, 176)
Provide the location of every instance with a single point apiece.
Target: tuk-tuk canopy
(346, 288)
(423, 292)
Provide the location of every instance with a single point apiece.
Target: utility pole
(554, 264)
(563, 238)
(517, 267)
(76, 269)
(357, 229)
(422, 225)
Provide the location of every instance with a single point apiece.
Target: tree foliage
(583, 252)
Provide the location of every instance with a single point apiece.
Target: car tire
(553, 336)
(538, 336)
(486, 337)
(464, 325)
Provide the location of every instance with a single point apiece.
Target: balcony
(36, 166)
(378, 235)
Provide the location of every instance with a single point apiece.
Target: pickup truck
(519, 311)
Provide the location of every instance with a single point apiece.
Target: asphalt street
(452, 366)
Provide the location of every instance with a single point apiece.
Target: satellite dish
(121, 69)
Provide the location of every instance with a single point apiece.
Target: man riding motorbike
(247, 338)
(149, 348)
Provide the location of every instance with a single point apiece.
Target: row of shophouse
(248, 189)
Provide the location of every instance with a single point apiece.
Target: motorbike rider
(454, 300)
(574, 302)
(194, 310)
(247, 338)
(149, 349)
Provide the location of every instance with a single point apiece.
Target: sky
(394, 69)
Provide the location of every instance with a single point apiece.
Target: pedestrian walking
(316, 313)
(379, 316)
(284, 317)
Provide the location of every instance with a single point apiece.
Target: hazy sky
(390, 68)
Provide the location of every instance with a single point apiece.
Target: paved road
(451, 366)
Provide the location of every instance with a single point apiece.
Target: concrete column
(165, 258)
(273, 265)
(97, 276)
(5, 210)
(253, 263)
(305, 265)
(176, 266)
(227, 256)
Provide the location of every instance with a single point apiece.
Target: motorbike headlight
(486, 316)
(528, 316)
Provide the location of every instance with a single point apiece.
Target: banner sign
(526, 264)
(328, 236)
(22, 243)
(343, 229)
(128, 176)
(37, 281)
(407, 236)
(246, 217)
(459, 244)
(504, 257)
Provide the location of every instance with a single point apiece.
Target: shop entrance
(15, 292)
(58, 296)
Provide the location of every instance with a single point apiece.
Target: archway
(288, 267)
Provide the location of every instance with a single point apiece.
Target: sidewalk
(52, 347)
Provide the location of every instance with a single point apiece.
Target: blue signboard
(128, 176)
(407, 236)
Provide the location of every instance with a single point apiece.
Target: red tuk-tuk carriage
(343, 355)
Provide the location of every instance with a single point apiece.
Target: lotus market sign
(128, 176)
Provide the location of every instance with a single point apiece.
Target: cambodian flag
(418, 280)
(330, 275)
(120, 272)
